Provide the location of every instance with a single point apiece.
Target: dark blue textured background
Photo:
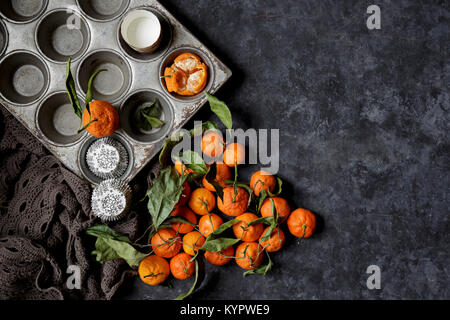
(364, 120)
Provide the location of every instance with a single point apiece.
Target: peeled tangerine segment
(175, 80)
(196, 81)
(187, 62)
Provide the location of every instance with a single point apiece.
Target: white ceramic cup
(141, 30)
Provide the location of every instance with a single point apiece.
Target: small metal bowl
(109, 85)
(57, 122)
(129, 112)
(103, 10)
(58, 40)
(22, 11)
(25, 78)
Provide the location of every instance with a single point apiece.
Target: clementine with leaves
(104, 119)
(186, 214)
(220, 258)
(192, 242)
(153, 270)
(202, 201)
(249, 255)
(166, 243)
(262, 179)
(209, 223)
(181, 266)
(222, 173)
(302, 223)
(234, 154)
(275, 242)
(235, 201)
(245, 232)
(281, 206)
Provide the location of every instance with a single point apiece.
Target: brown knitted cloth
(44, 210)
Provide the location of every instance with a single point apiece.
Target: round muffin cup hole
(25, 78)
(103, 11)
(85, 168)
(57, 121)
(62, 34)
(109, 85)
(129, 116)
(22, 11)
(168, 61)
(3, 37)
(166, 39)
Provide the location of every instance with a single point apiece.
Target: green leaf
(264, 269)
(72, 92)
(280, 183)
(192, 160)
(216, 245)
(204, 126)
(89, 96)
(111, 245)
(225, 226)
(221, 110)
(149, 117)
(169, 144)
(211, 178)
(262, 197)
(183, 296)
(164, 194)
(264, 220)
(101, 230)
(274, 217)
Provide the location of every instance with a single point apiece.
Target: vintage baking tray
(35, 45)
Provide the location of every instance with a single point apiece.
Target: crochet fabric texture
(44, 211)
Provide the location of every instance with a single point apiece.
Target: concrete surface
(364, 124)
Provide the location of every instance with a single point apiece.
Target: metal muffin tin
(35, 44)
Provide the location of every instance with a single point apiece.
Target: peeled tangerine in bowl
(187, 76)
(104, 117)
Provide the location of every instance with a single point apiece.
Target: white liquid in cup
(141, 29)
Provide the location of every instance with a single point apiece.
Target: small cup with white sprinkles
(111, 200)
(107, 158)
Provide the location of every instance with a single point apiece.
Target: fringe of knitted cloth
(44, 210)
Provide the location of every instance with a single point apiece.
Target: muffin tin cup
(110, 85)
(84, 168)
(57, 122)
(102, 10)
(25, 78)
(129, 112)
(62, 34)
(22, 11)
(168, 61)
(107, 158)
(4, 37)
(164, 44)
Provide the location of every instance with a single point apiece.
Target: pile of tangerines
(182, 241)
